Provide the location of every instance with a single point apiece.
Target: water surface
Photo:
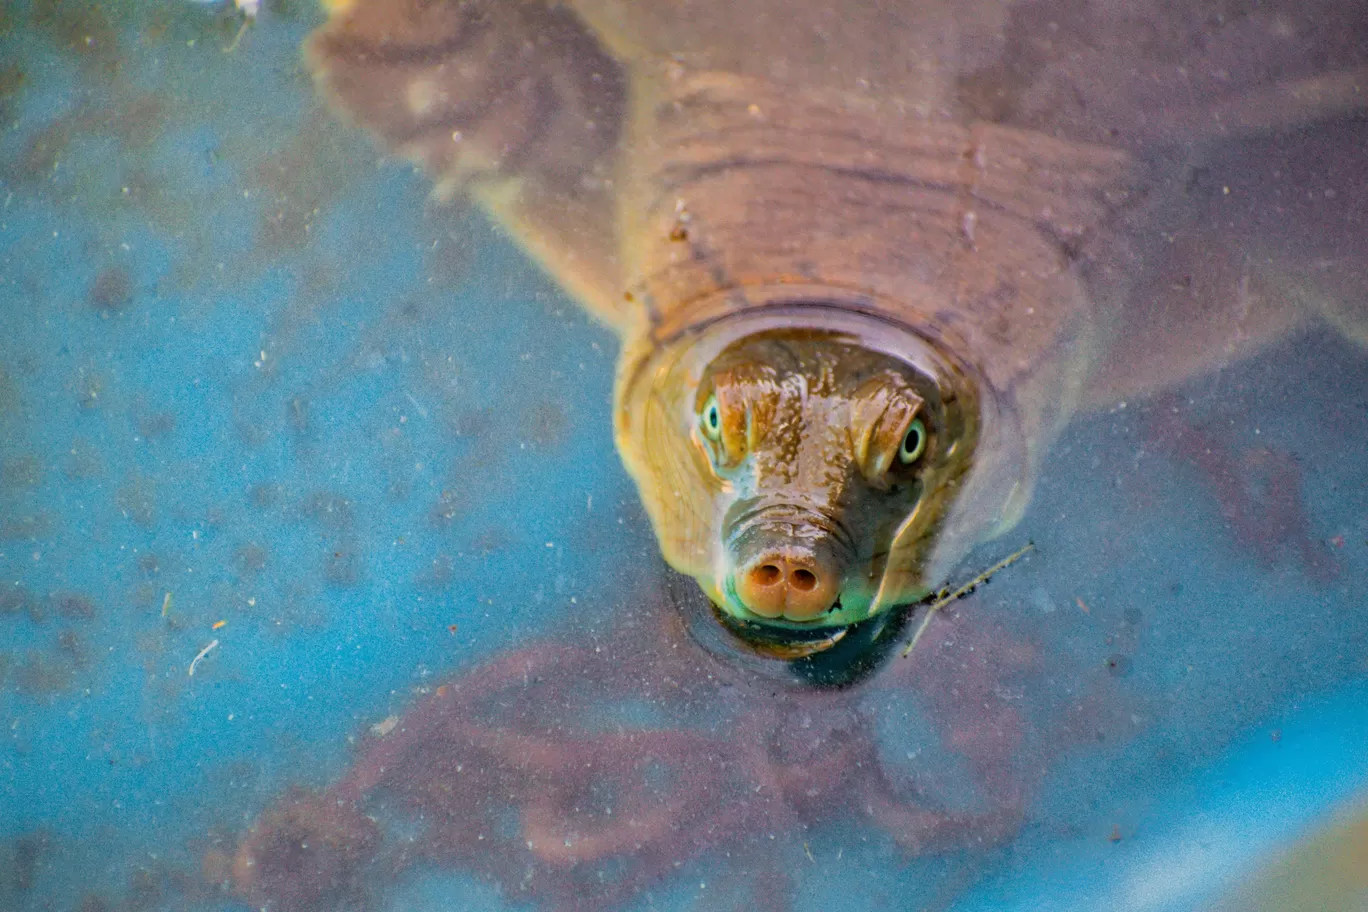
(271, 416)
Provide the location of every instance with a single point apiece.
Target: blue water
(258, 390)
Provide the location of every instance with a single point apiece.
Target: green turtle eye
(710, 419)
(913, 443)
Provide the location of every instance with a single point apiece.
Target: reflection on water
(581, 775)
(255, 391)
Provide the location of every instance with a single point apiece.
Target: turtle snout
(796, 587)
(777, 576)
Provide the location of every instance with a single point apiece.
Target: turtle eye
(913, 443)
(710, 419)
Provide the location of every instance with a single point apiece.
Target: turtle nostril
(766, 575)
(797, 586)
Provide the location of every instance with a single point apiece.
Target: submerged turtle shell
(973, 190)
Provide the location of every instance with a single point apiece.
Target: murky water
(309, 508)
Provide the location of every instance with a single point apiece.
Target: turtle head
(803, 468)
(820, 450)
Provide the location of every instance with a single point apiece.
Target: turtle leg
(1263, 240)
(514, 104)
(1318, 233)
(1297, 207)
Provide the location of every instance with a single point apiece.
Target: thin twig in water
(238, 37)
(945, 596)
(202, 653)
(249, 10)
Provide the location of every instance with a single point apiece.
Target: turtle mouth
(836, 656)
(773, 641)
(823, 657)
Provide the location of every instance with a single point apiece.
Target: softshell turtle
(866, 258)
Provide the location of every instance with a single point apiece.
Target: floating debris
(945, 597)
(213, 644)
(384, 726)
(249, 9)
